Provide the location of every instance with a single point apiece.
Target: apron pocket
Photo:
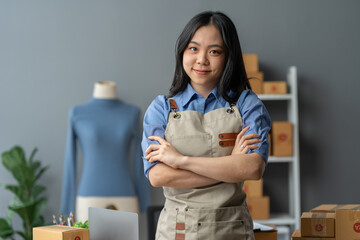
(221, 223)
(229, 230)
(221, 214)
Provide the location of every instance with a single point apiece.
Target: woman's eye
(193, 49)
(214, 52)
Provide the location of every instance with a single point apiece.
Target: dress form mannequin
(104, 127)
(105, 90)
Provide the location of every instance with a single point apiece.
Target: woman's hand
(163, 152)
(244, 143)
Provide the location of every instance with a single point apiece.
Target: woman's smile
(201, 72)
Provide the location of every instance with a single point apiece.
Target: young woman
(208, 136)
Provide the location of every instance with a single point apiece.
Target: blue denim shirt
(252, 111)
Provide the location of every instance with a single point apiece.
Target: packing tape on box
(356, 216)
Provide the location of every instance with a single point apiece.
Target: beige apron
(213, 212)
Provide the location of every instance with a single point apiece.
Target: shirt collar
(189, 93)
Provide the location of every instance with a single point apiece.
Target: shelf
(292, 217)
(278, 219)
(273, 159)
(274, 97)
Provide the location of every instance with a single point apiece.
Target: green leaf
(24, 210)
(39, 222)
(35, 165)
(5, 229)
(37, 190)
(13, 158)
(22, 235)
(32, 156)
(9, 216)
(39, 207)
(18, 191)
(14, 161)
(29, 211)
(42, 170)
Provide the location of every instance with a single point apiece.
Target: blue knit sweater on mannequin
(106, 130)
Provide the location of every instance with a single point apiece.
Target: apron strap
(173, 105)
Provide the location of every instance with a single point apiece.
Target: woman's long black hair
(234, 76)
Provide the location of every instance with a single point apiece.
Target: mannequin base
(128, 204)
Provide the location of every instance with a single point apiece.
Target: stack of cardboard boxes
(256, 78)
(259, 205)
(281, 137)
(330, 222)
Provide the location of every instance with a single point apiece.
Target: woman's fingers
(248, 148)
(245, 143)
(251, 141)
(152, 157)
(250, 136)
(241, 134)
(157, 138)
(152, 147)
(243, 131)
(248, 139)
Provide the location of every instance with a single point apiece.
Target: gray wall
(52, 52)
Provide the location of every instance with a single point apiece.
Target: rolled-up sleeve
(255, 115)
(155, 121)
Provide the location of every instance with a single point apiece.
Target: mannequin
(105, 90)
(105, 127)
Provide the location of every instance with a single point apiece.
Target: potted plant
(27, 202)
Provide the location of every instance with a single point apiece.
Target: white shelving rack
(291, 218)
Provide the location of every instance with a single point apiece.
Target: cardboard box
(297, 236)
(251, 62)
(318, 224)
(256, 80)
(348, 222)
(274, 87)
(253, 188)
(282, 138)
(265, 235)
(58, 232)
(259, 207)
(326, 208)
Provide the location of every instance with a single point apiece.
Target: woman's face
(204, 58)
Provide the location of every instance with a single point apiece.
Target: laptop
(106, 224)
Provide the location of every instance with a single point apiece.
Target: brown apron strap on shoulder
(173, 105)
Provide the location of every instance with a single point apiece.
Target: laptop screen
(106, 224)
